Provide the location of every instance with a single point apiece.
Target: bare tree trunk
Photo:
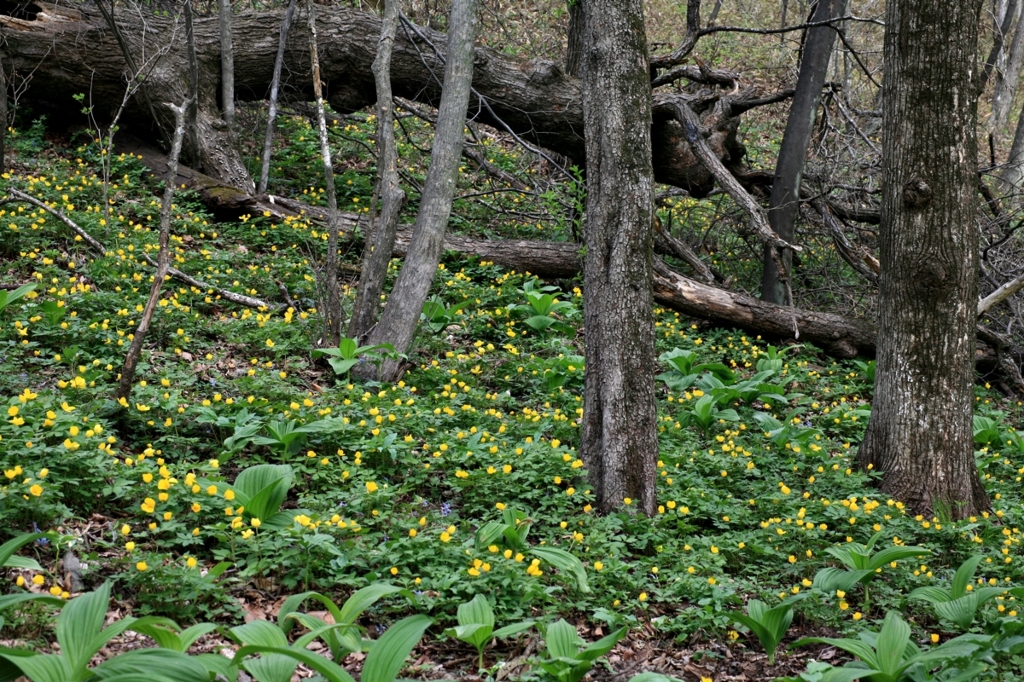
(381, 240)
(3, 119)
(124, 386)
(1012, 173)
(193, 87)
(1007, 80)
(275, 84)
(1001, 28)
(619, 440)
(401, 315)
(920, 435)
(784, 204)
(574, 38)
(714, 13)
(227, 64)
(331, 316)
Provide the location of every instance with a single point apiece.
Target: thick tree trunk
(574, 39)
(784, 203)
(70, 49)
(381, 239)
(619, 440)
(920, 435)
(401, 315)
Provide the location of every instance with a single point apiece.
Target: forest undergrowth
(245, 467)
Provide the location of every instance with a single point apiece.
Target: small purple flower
(446, 509)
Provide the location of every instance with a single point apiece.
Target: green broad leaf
(854, 647)
(8, 549)
(9, 297)
(562, 641)
(766, 638)
(331, 671)
(366, 597)
(565, 562)
(259, 633)
(388, 654)
(217, 664)
(832, 579)
(38, 668)
(890, 554)
(475, 634)
(163, 631)
(931, 594)
(595, 650)
(23, 563)
(291, 605)
(960, 611)
(847, 674)
(489, 533)
(476, 610)
(9, 600)
(217, 571)
(513, 629)
(262, 489)
(157, 664)
(964, 575)
(80, 627)
(891, 645)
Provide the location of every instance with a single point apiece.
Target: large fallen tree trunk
(68, 50)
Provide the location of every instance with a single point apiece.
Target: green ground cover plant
(244, 460)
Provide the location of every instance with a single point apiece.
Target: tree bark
(1007, 79)
(784, 203)
(3, 119)
(401, 315)
(124, 386)
(1012, 172)
(332, 291)
(68, 48)
(619, 440)
(227, 64)
(381, 239)
(574, 39)
(275, 84)
(920, 435)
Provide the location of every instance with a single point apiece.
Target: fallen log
(57, 51)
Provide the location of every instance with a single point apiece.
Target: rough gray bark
(1007, 79)
(619, 440)
(67, 49)
(124, 386)
(192, 116)
(3, 119)
(1001, 23)
(381, 239)
(920, 435)
(574, 38)
(275, 85)
(784, 204)
(227, 64)
(401, 315)
(1012, 172)
(332, 290)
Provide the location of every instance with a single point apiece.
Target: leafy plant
(986, 430)
(514, 528)
(567, 661)
(348, 354)
(890, 655)
(706, 412)
(80, 634)
(960, 602)
(382, 663)
(345, 636)
(543, 303)
(436, 316)
(261, 490)
(476, 626)
(774, 358)
(9, 297)
(861, 565)
(685, 369)
(769, 625)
